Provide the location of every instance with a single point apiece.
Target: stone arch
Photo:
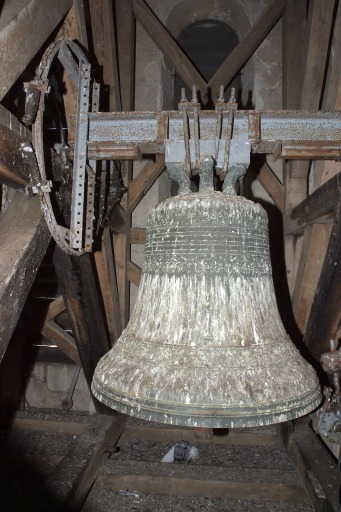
(187, 12)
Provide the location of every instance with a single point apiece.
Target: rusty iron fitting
(221, 104)
(331, 361)
(36, 184)
(184, 104)
(33, 90)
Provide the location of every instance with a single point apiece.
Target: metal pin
(183, 94)
(233, 95)
(194, 94)
(196, 127)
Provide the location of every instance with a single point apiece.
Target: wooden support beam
(77, 281)
(69, 484)
(107, 278)
(125, 26)
(317, 206)
(144, 180)
(14, 171)
(55, 308)
(20, 40)
(318, 37)
(294, 26)
(187, 481)
(66, 343)
(104, 43)
(134, 273)
(314, 67)
(138, 236)
(271, 184)
(168, 434)
(294, 21)
(24, 238)
(325, 314)
(74, 28)
(309, 455)
(39, 425)
(11, 178)
(315, 239)
(122, 256)
(246, 47)
(168, 46)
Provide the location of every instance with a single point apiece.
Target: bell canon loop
(205, 346)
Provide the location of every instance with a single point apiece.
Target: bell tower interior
(170, 255)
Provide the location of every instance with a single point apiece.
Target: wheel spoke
(67, 60)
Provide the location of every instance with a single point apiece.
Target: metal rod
(196, 127)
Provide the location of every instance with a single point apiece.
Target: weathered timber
(168, 435)
(14, 171)
(49, 425)
(107, 278)
(312, 65)
(315, 465)
(311, 259)
(10, 10)
(125, 27)
(325, 314)
(24, 238)
(316, 206)
(71, 481)
(64, 341)
(103, 34)
(188, 481)
(315, 64)
(134, 273)
(121, 243)
(315, 240)
(271, 184)
(76, 278)
(55, 308)
(246, 47)
(144, 180)
(74, 28)
(11, 178)
(138, 236)
(20, 40)
(294, 21)
(168, 46)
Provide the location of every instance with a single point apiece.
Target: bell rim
(212, 417)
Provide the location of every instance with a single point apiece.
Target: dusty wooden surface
(24, 238)
(52, 458)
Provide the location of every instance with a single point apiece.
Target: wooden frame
(300, 29)
(307, 232)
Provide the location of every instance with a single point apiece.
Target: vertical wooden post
(314, 242)
(104, 45)
(308, 96)
(125, 23)
(77, 280)
(294, 24)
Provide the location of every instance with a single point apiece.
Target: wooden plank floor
(245, 470)
(240, 470)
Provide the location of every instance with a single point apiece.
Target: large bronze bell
(205, 346)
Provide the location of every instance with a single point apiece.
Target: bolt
(183, 94)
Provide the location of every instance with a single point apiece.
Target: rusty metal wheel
(75, 236)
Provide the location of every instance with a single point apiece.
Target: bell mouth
(209, 417)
